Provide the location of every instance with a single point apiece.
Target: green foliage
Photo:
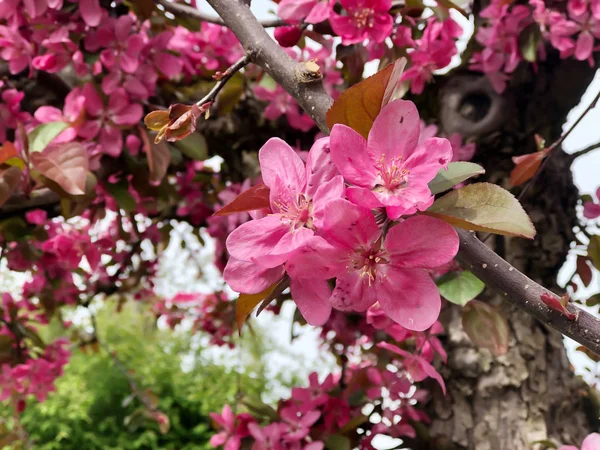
(93, 400)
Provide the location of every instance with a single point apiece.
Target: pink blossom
(91, 12)
(267, 438)
(281, 103)
(417, 367)
(36, 216)
(108, 119)
(234, 428)
(298, 423)
(309, 11)
(15, 49)
(589, 29)
(10, 111)
(591, 210)
(73, 112)
(157, 50)
(300, 195)
(364, 19)
(580, 7)
(371, 268)
(433, 51)
(390, 169)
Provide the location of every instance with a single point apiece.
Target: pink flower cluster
(432, 51)
(213, 314)
(572, 33)
(378, 374)
(126, 56)
(319, 228)
(10, 109)
(33, 375)
(36, 376)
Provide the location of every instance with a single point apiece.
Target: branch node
(307, 72)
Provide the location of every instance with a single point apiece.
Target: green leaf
(457, 173)
(594, 300)
(594, 251)
(484, 207)
(338, 442)
(120, 192)
(194, 147)
(460, 287)
(486, 327)
(529, 41)
(43, 134)
(230, 95)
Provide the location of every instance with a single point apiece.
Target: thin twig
(193, 13)
(225, 77)
(585, 151)
(556, 144)
(488, 266)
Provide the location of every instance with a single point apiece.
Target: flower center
(393, 176)
(297, 214)
(368, 262)
(363, 17)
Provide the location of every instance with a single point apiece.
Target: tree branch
(225, 77)
(274, 60)
(516, 287)
(585, 151)
(193, 13)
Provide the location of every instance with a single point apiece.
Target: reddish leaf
(247, 302)
(526, 167)
(7, 151)
(590, 354)
(159, 158)
(9, 181)
(584, 271)
(486, 327)
(257, 197)
(558, 304)
(65, 164)
(358, 106)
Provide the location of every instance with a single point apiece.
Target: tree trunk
(531, 393)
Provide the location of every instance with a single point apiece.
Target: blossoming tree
(418, 217)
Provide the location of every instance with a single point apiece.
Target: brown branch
(516, 287)
(274, 60)
(19, 203)
(585, 151)
(225, 77)
(182, 10)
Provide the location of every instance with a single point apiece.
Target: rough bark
(531, 393)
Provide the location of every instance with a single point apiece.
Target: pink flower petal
(91, 12)
(277, 158)
(350, 226)
(256, 237)
(395, 132)
(250, 278)
(592, 442)
(353, 293)
(349, 154)
(409, 297)
(410, 243)
(312, 298)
